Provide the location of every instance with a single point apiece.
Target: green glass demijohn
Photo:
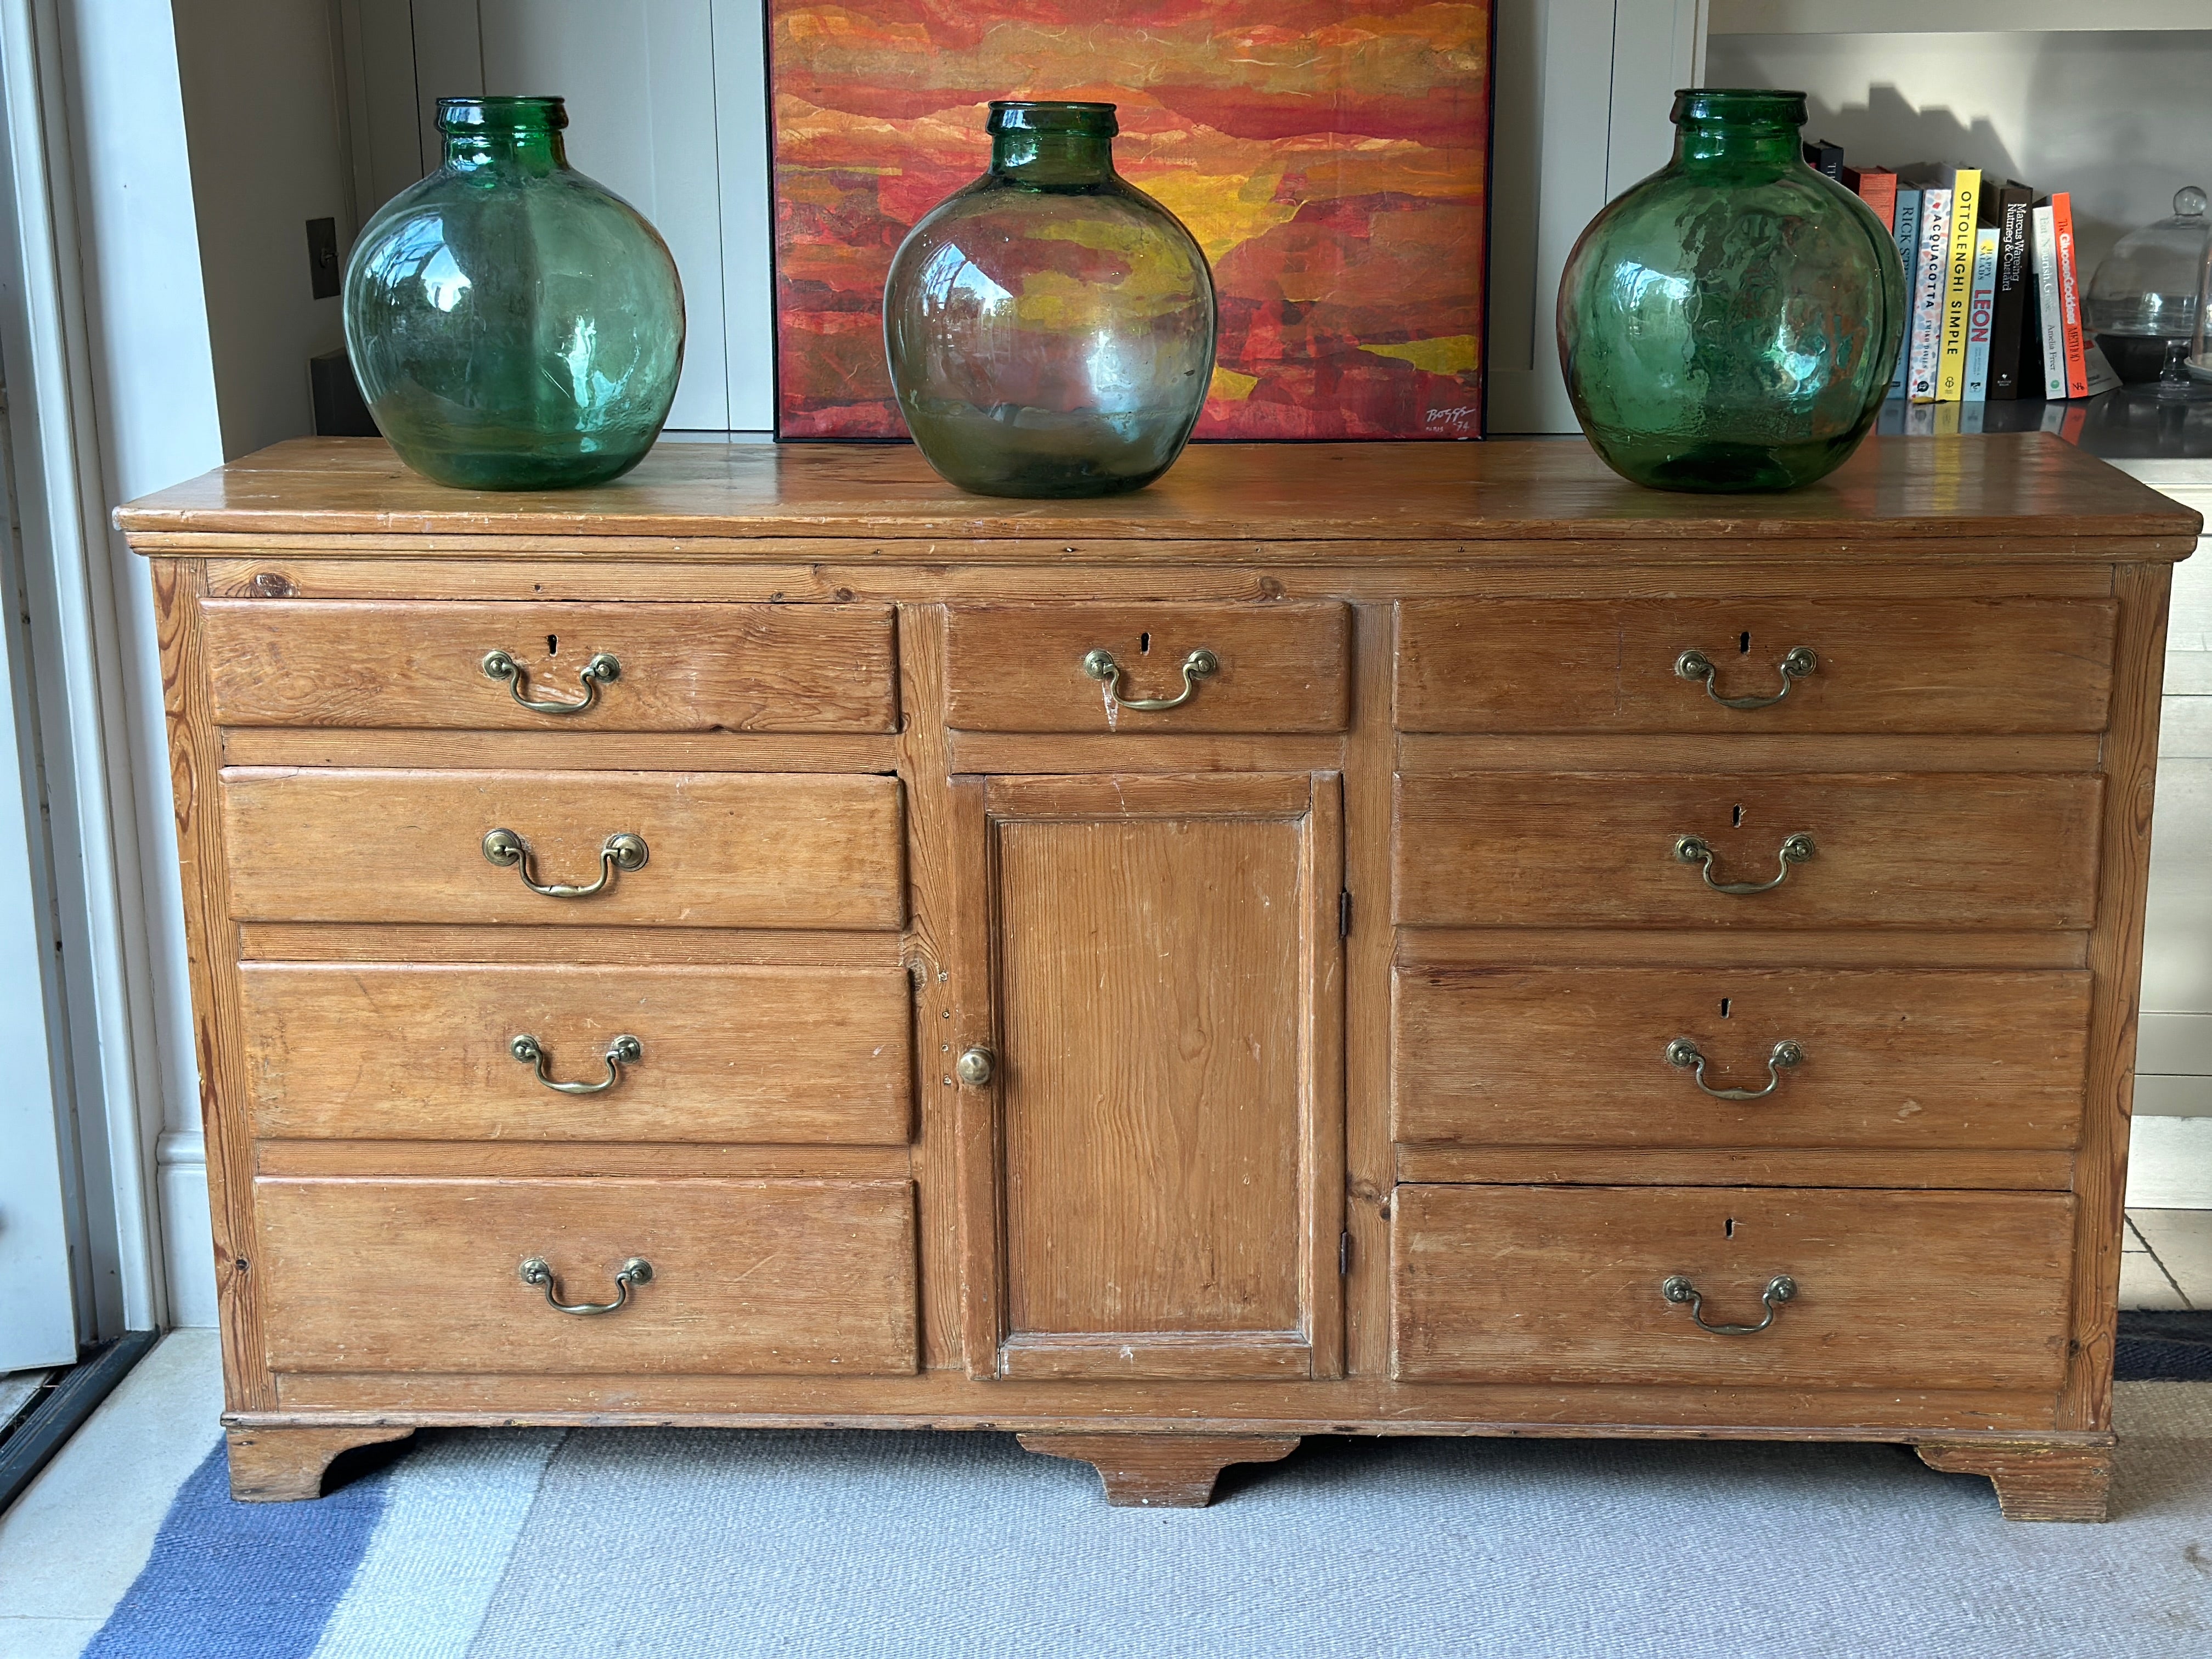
(1050, 328)
(1731, 323)
(513, 325)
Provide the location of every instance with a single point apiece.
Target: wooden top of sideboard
(1995, 498)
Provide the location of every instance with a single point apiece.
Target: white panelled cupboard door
(639, 78)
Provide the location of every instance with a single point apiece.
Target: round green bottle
(1050, 328)
(1731, 323)
(513, 325)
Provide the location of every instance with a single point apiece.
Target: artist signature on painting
(1456, 420)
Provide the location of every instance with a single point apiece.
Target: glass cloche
(2143, 301)
(2200, 353)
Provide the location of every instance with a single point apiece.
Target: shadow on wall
(2119, 120)
(1887, 126)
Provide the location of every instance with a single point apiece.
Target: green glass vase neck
(506, 151)
(1053, 160)
(1741, 133)
(507, 135)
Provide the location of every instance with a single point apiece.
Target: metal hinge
(1343, 1254)
(1344, 912)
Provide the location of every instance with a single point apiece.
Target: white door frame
(103, 331)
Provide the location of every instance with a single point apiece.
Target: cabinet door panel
(1167, 983)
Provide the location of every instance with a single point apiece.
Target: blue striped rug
(634, 1543)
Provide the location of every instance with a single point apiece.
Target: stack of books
(1991, 281)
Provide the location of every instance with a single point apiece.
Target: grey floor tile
(2182, 1240)
(73, 1542)
(2143, 1285)
(45, 1638)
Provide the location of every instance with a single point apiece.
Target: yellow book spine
(1958, 286)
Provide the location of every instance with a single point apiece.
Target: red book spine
(1877, 188)
(2070, 294)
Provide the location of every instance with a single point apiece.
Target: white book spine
(1980, 304)
(1928, 274)
(2046, 297)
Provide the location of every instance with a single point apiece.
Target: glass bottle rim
(1755, 105)
(534, 113)
(1052, 115)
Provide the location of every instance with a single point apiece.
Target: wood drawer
(378, 1051)
(1535, 665)
(683, 667)
(1923, 1290)
(752, 1277)
(1936, 850)
(1578, 1057)
(723, 849)
(1020, 667)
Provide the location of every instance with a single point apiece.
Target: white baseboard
(2170, 1163)
(180, 1173)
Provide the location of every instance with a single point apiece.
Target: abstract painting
(1331, 156)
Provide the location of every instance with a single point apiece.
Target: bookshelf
(1952, 16)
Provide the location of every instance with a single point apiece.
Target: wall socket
(323, 270)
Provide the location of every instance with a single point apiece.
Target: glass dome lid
(2148, 284)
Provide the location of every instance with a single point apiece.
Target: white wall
(264, 119)
(2122, 120)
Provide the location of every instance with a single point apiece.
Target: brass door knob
(974, 1067)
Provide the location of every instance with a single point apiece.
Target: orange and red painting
(1330, 156)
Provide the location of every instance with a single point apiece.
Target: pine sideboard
(1424, 939)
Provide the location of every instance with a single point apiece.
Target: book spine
(1907, 232)
(1823, 157)
(2070, 294)
(1958, 286)
(2009, 315)
(1877, 188)
(2049, 330)
(1981, 305)
(1928, 294)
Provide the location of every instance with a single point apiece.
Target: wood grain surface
(2035, 1480)
(2025, 496)
(1154, 1105)
(1330, 1009)
(1162, 1471)
(1938, 850)
(683, 667)
(1019, 667)
(1923, 666)
(1561, 1284)
(723, 849)
(1576, 1057)
(408, 1051)
(756, 1278)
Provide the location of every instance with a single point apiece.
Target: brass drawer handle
(1683, 1052)
(1779, 1289)
(1201, 664)
(1797, 662)
(635, 1271)
(622, 1051)
(1795, 850)
(602, 670)
(624, 852)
